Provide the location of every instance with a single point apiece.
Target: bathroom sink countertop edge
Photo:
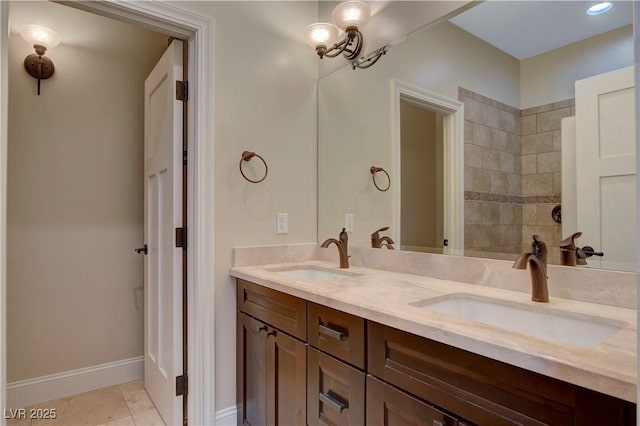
(395, 299)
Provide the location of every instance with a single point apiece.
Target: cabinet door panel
(336, 392)
(337, 333)
(286, 380)
(252, 365)
(388, 406)
(283, 311)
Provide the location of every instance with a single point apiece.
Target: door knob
(141, 250)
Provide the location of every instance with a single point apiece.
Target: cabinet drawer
(335, 394)
(483, 390)
(282, 311)
(388, 406)
(338, 333)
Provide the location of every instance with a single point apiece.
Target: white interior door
(163, 213)
(606, 168)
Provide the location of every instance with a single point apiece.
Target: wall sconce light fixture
(41, 38)
(348, 16)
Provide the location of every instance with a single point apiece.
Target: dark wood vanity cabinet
(271, 364)
(482, 390)
(388, 406)
(303, 363)
(336, 391)
(337, 363)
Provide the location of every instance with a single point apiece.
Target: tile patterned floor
(125, 404)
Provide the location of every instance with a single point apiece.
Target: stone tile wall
(512, 175)
(493, 181)
(542, 174)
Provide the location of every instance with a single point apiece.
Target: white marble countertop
(387, 297)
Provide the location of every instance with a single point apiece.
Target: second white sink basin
(313, 273)
(538, 321)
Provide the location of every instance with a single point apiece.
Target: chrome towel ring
(375, 170)
(247, 156)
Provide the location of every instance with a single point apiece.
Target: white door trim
(453, 164)
(198, 30)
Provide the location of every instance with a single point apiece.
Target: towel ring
(375, 170)
(247, 156)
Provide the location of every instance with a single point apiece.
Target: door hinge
(181, 237)
(184, 158)
(182, 383)
(181, 90)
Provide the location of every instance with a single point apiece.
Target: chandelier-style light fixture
(348, 17)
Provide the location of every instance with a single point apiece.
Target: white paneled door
(163, 214)
(606, 168)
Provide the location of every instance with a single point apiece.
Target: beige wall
(75, 196)
(419, 177)
(550, 77)
(265, 101)
(354, 117)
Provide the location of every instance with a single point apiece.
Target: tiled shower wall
(493, 176)
(512, 175)
(542, 174)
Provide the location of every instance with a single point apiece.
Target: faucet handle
(570, 242)
(376, 234)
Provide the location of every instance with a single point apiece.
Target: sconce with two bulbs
(41, 38)
(348, 16)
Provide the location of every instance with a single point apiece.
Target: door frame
(453, 162)
(198, 31)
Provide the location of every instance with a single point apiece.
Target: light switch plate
(348, 222)
(282, 223)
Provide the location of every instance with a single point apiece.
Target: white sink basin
(313, 273)
(538, 321)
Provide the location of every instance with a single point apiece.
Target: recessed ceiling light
(600, 8)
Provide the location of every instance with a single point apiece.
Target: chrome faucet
(342, 245)
(377, 241)
(537, 261)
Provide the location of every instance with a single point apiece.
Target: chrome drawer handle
(330, 332)
(328, 399)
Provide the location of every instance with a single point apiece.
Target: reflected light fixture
(600, 8)
(41, 38)
(348, 16)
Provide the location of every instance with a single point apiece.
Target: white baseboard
(41, 389)
(227, 416)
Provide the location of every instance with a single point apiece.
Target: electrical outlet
(282, 223)
(348, 222)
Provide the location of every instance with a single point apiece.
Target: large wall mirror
(486, 122)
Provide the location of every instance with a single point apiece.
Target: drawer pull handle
(260, 329)
(330, 332)
(438, 423)
(330, 400)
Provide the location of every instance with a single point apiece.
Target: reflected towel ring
(375, 170)
(247, 156)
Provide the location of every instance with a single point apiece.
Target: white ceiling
(528, 28)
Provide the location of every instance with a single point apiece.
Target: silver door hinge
(181, 90)
(182, 383)
(181, 237)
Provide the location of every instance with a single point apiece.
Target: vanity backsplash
(577, 283)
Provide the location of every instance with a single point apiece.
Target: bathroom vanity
(318, 345)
